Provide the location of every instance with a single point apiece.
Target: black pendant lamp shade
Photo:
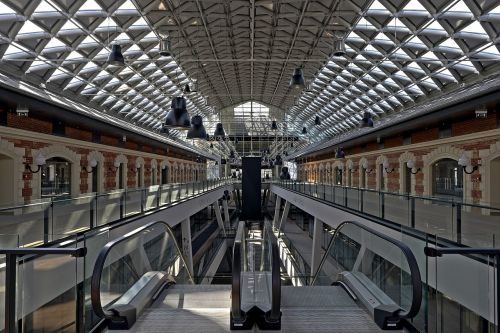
(339, 48)
(211, 145)
(187, 89)
(367, 120)
(339, 153)
(304, 130)
(291, 145)
(178, 116)
(219, 130)
(274, 126)
(231, 154)
(297, 81)
(197, 130)
(278, 160)
(115, 57)
(317, 121)
(165, 47)
(284, 173)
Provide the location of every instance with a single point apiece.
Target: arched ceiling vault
(399, 54)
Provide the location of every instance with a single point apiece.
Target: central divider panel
(256, 282)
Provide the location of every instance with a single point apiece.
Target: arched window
(447, 178)
(56, 178)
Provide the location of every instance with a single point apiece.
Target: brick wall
(29, 124)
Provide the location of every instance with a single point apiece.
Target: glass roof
(399, 54)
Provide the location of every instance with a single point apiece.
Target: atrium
(283, 165)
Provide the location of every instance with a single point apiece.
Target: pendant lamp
(274, 126)
(339, 47)
(367, 120)
(178, 116)
(219, 130)
(297, 81)
(187, 89)
(304, 130)
(284, 173)
(115, 57)
(317, 121)
(165, 47)
(278, 160)
(197, 130)
(339, 153)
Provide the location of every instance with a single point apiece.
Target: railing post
(158, 196)
(93, 202)
(143, 197)
(46, 218)
(412, 212)
(122, 204)
(459, 223)
(382, 204)
(361, 200)
(345, 196)
(10, 293)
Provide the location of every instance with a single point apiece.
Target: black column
(251, 187)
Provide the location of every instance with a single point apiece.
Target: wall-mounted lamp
(464, 162)
(116, 166)
(40, 161)
(93, 164)
(410, 164)
(365, 166)
(386, 166)
(137, 167)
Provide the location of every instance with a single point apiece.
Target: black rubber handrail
(95, 287)
(416, 281)
(275, 313)
(238, 250)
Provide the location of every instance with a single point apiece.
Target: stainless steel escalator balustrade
(131, 271)
(380, 271)
(256, 281)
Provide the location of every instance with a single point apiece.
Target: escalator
(256, 279)
(142, 278)
(376, 270)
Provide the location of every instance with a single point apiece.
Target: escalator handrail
(416, 281)
(275, 313)
(238, 248)
(95, 287)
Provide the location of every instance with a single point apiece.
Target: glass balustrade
(51, 219)
(449, 218)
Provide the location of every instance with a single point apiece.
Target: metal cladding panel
(251, 188)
